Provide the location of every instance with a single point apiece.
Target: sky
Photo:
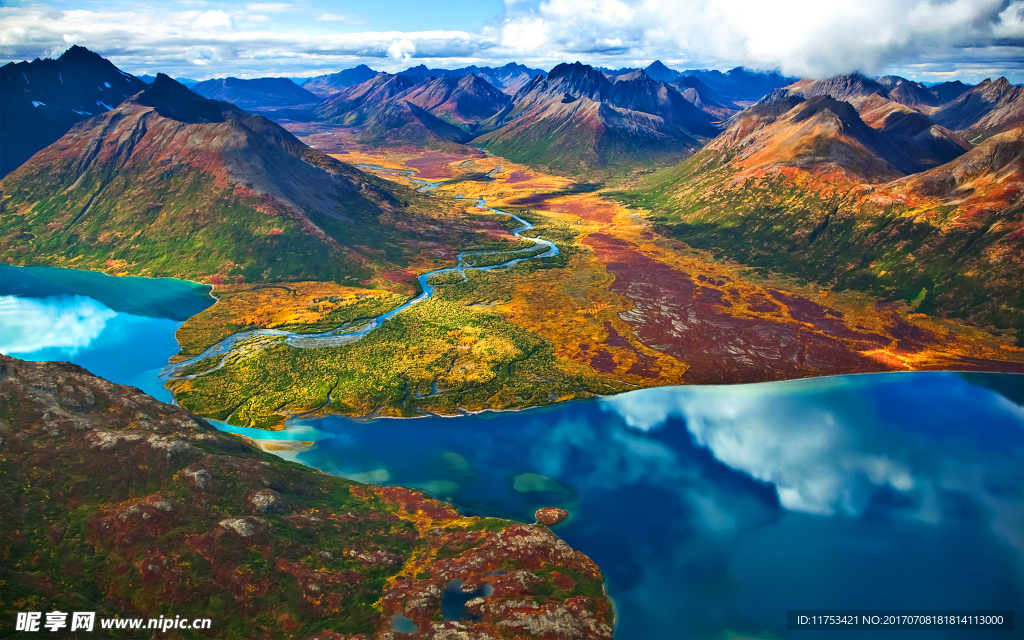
(927, 40)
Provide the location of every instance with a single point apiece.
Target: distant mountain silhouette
(256, 93)
(188, 82)
(947, 91)
(740, 84)
(326, 85)
(658, 71)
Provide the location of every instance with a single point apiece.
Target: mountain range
(573, 119)
(326, 85)
(570, 119)
(509, 78)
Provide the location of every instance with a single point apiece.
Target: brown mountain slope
(171, 183)
(356, 104)
(821, 134)
(984, 110)
(899, 108)
(466, 101)
(910, 93)
(115, 503)
(848, 88)
(400, 109)
(988, 176)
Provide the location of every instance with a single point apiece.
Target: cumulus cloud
(67, 323)
(401, 49)
(208, 20)
(800, 37)
(923, 38)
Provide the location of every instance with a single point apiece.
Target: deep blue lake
(711, 510)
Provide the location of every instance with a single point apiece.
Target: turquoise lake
(711, 510)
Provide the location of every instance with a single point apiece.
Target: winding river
(352, 331)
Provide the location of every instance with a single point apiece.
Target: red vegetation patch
(518, 176)
(495, 230)
(433, 166)
(603, 361)
(590, 209)
(689, 321)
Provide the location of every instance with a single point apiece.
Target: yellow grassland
(295, 305)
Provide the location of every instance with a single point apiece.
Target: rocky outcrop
(551, 516)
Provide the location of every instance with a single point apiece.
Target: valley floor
(620, 307)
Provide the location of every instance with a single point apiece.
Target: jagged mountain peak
(638, 76)
(79, 53)
(983, 110)
(776, 103)
(576, 71)
(173, 100)
(420, 70)
(842, 87)
(658, 71)
(41, 100)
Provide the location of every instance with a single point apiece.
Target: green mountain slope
(172, 184)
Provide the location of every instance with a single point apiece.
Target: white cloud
(401, 49)
(67, 323)
(213, 20)
(336, 17)
(801, 37)
(269, 7)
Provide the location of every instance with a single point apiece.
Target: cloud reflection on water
(840, 447)
(68, 323)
